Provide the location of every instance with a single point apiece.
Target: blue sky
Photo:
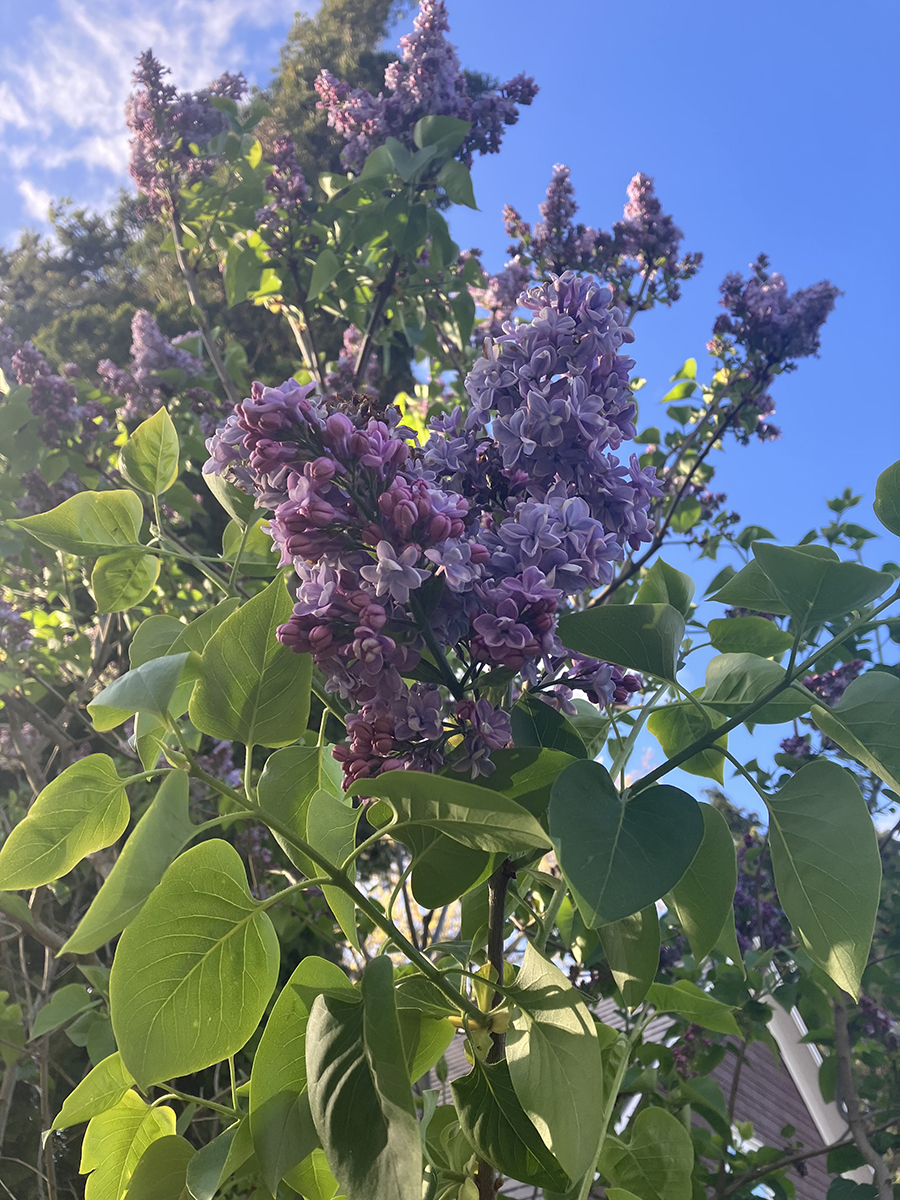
(767, 126)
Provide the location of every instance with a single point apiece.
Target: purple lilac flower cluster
(831, 685)
(142, 387)
(644, 245)
(797, 747)
(426, 81)
(341, 378)
(468, 544)
(773, 325)
(53, 398)
(166, 123)
(872, 1021)
(280, 219)
(15, 631)
(692, 1043)
(758, 917)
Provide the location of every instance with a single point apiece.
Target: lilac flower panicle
(141, 386)
(165, 124)
(53, 399)
(831, 685)
(426, 81)
(488, 528)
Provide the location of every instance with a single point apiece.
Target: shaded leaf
(631, 947)
(816, 587)
(495, 1123)
(686, 999)
(535, 723)
(161, 1170)
(864, 723)
(657, 1160)
(703, 899)
(554, 1063)
(616, 857)
(359, 1091)
(102, 1088)
(748, 635)
(253, 689)
(119, 581)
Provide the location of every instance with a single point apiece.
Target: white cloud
(36, 199)
(65, 80)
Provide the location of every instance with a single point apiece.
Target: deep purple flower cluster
(758, 917)
(15, 631)
(872, 1021)
(280, 220)
(38, 496)
(142, 386)
(165, 124)
(341, 378)
(687, 1049)
(772, 325)
(468, 544)
(797, 747)
(831, 685)
(53, 398)
(426, 81)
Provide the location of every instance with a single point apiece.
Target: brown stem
(384, 291)
(854, 1117)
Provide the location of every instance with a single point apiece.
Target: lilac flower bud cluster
(831, 685)
(141, 386)
(165, 124)
(465, 547)
(53, 398)
(872, 1021)
(15, 631)
(280, 220)
(773, 326)
(426, 81)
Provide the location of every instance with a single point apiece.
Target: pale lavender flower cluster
(426, 81)
(468, 544)
(280, 220)
(166, 123)
(500, 296)
(142, 386)
(556, 393)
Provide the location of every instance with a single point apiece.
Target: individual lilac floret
(426, 81)
(165, 124)
(485, 729)
(394, 574)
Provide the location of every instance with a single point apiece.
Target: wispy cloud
(64, 80)
(36, 199)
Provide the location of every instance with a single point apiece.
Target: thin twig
(384, 291)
